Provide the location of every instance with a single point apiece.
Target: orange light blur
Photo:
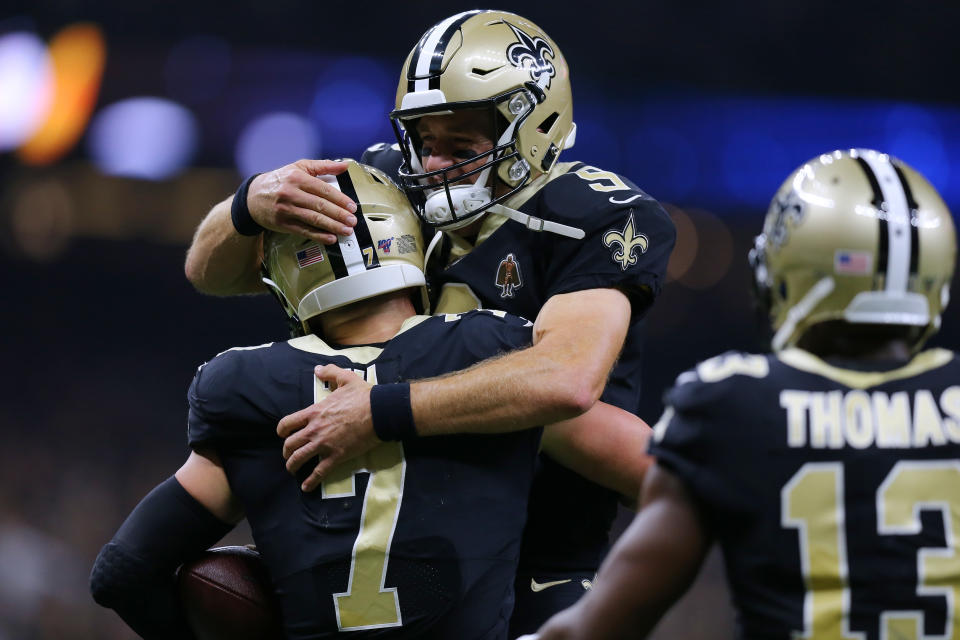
(714, 252)
(685, 251)
(78, 55)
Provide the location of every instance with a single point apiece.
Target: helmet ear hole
(548, 122)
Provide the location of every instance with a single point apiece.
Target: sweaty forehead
(468, 123)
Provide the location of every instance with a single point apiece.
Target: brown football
(226, 595)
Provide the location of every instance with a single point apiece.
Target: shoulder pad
(384, 156)
(716, 378)
(487, 332)
(628, 236)
(609, 208)
(488, 316)
(232, 386)
(588, 187)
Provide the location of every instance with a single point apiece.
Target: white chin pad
(466, 199)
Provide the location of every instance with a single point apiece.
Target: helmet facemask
(446, 198)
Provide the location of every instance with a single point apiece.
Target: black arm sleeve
(134, 572)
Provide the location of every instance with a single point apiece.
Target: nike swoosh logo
(540, 586)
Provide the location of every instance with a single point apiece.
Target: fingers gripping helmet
(856, 236)
(490, 60)
(383, 254)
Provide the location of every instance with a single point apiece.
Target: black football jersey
(418, 538)
(833, 492)
(627, 243)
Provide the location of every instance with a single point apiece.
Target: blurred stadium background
(122, 123)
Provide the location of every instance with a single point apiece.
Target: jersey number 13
(813, 503)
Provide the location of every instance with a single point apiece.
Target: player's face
(452, 138)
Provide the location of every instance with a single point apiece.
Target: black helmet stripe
(914, 228)
(361, 230)
(883, 248)
(896, 245)
(424, 70)
(337, 262)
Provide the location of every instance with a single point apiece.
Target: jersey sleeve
(628, 236)
(457, 342)
(493, 332)
(704, 436)
(228, 400)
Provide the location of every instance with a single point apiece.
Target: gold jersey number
(367, 603)
(601, 180)
(813, 503)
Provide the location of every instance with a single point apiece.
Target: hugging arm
(291, 199)
(606, 444)
(576, 340)
(134, 574)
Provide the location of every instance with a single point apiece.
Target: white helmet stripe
(433, 45)
(349, 245)
(897, 225)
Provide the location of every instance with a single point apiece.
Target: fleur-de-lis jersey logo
(528, 53)
(628, 242)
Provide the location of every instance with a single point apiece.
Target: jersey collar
(361, 354)
(921, 363)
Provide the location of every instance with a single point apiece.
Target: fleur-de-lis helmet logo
(528, 53)
(628, 242)
(788, 210)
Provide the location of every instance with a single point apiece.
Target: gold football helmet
(383, 254)
(856, 236)
(492, 60)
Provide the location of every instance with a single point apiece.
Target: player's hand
(292, 199)
(338, 428)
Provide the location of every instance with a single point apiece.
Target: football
(226, 594)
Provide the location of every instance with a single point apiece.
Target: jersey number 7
(366, 603)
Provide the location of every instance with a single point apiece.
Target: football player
(483, 111)
(418, 536)
(829, 470)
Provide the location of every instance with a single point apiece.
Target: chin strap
(537, 224)
(430, 247)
